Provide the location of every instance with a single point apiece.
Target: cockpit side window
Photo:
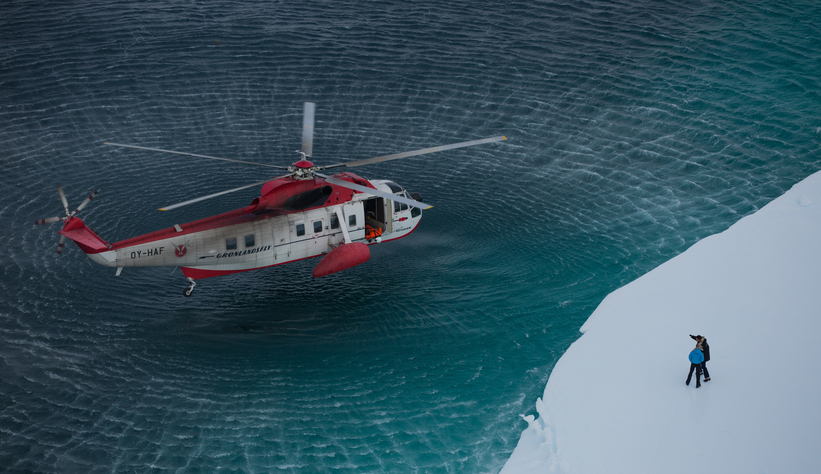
(395, 188)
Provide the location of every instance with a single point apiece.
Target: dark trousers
(697, 368)
(704, 369)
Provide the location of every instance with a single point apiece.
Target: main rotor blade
(365, 189)
(194, 154)
(308, 128)
(421, 151)
(63, 198)
(192, 201)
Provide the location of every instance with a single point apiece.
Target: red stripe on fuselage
(238, 216)
(198, 273)
(245, 214)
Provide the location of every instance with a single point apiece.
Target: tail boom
(89, 242)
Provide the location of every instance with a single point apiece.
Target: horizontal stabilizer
(76, 230)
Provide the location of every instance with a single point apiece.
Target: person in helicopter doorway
(372, 233)
(701, 341)
(696, 358)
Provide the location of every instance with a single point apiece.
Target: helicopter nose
(416, 196)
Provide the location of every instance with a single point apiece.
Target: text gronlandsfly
(243, 252)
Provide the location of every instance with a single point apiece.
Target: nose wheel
(191, 284)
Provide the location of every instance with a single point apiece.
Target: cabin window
(334, 221)
(231, 244)
(399, 206)
(317, 227)
(300, 230)
(416, 212)
(249, 241)
(352, 220)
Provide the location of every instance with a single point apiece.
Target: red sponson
(343, 257)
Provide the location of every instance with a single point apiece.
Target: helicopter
(298, 215)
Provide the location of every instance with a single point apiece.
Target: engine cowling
(341, 258)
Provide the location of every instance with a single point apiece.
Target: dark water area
(635, 129)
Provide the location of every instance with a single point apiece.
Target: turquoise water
(636, 129)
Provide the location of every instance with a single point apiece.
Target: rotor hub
(302, 169)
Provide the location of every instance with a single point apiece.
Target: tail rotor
(69, 215)
(49, 220)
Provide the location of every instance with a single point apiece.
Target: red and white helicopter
(298, 215)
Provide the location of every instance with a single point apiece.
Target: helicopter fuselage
(292, 220)
(299, 215)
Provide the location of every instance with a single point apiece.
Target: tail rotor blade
(48, 220)
(63, 198)
(85, 202)
(308, 129)
(61, 244)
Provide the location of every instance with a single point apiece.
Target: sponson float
(298, 215)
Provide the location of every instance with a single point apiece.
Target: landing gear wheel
(187, 292)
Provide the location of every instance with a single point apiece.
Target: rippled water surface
(636, 129)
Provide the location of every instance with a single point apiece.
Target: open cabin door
(376, 212)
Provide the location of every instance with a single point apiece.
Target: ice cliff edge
(616, 401)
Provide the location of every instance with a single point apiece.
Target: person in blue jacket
(701, 342)
(696, 358)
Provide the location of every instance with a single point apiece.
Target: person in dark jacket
(705, 349)
(696, 358)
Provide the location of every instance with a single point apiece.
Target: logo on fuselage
(179, 250)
